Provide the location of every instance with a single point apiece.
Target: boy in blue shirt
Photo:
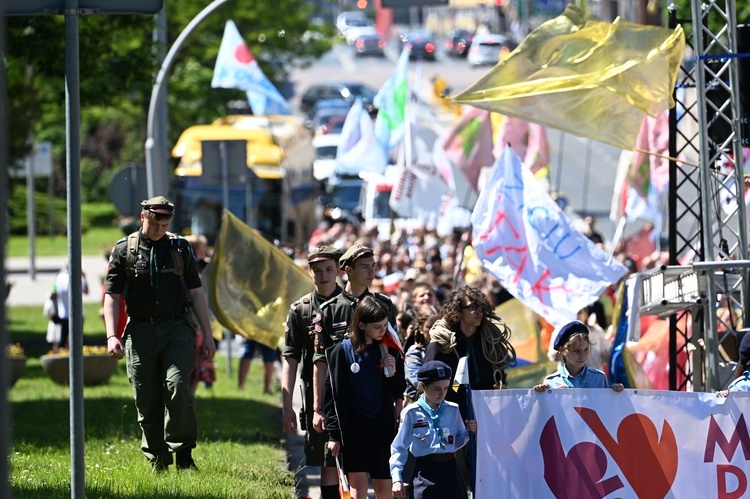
(432, 429)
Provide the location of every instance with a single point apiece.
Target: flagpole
(559, 162)
(472, 441)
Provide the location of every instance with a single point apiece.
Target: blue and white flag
(236, 67)
(359, 150)
(532, 248)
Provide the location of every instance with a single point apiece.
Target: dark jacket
(337, 409)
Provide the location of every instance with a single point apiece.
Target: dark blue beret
(434, 370)
(569, 330)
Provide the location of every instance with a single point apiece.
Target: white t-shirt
(62, 286)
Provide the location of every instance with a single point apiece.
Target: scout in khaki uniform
(301, 324)
(359, 264)
(156, 274)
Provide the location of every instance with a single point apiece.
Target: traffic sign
(58, 7)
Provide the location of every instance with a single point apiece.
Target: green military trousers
(160, 360)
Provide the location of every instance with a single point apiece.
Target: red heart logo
(648, 463)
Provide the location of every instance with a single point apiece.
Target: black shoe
(185, 461)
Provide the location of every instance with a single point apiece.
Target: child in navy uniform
(741, 382)
(573, 344)
(362, 384)
(432, 430)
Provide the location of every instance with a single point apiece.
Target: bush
(101, 214)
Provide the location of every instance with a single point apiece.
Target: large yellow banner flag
(252, 283)
(585, 76)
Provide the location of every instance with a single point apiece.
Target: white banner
(532, 247)
(595, 443)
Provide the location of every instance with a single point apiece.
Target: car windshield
(358, 23)
(326, 152)
(362, 91)
(380, 206)
(346, 196)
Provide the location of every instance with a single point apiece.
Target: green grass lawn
(239, 452)
(93, 242)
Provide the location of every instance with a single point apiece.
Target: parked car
(342, 198)
(357, 28)
(326, 147)
(345, 18)
(485, 50)
(372, 44)
(348, 91)
(326, 109)
(458, 42)
(421, 45)
(334, 125)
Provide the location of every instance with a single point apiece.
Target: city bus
(277, 197)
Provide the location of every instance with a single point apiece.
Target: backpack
(176, 244)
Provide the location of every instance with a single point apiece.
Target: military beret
(434, 370)
(353, 253)
(569, 330)
(745, 349)
(323, 253)
(158, 204)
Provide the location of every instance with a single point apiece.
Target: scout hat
(434, 370)
(158, 204)
(569, 330)
(323, 253)
(356, 251)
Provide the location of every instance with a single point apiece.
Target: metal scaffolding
(705, 288)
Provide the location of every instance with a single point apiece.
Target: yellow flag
(252, 283)
(585, 76)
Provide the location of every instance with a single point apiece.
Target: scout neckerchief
(434, 416)
(567, 375)
(153, 268)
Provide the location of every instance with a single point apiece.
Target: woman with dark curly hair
(468, 328)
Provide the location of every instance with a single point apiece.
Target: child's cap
(745, 349)
(434, 370)
(569, 330)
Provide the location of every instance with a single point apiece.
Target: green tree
(117, 69)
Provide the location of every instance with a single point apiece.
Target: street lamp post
(156, 169)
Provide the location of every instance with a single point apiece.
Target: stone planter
(17, 368)
(97, 368)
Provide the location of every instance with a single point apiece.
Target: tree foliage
(117, 70)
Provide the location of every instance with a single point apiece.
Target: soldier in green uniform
(301, 324)
(359, 264)
(155, 272)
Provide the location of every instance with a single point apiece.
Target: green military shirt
(146, 296)
(300, 333)
(337, 314)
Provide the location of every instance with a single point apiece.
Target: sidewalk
(26, 291)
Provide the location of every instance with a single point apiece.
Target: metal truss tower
(704, 289)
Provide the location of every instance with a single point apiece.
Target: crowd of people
(440, 304)
(377, 345)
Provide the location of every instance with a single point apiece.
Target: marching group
(387, 412)
(380, 396)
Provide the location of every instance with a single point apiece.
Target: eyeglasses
(470, 308)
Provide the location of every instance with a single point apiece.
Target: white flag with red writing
(531, 246)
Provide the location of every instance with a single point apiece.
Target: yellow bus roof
(264, 156)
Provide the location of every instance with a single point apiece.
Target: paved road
(26, 291)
